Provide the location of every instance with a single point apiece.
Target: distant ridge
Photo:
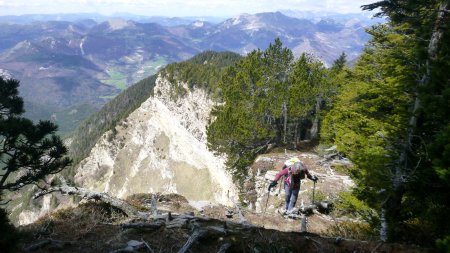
(72, 60)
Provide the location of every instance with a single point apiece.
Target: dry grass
(94, 227)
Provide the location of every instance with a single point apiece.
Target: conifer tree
(265, 97)
(391, 120)
(423, 152)
(28, 151)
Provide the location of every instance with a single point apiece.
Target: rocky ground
(173, 224)
(97, 227)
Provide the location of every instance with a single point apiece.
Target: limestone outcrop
(160, 147)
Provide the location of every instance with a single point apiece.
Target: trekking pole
(267, 200)
(279, 189)
(314, 191)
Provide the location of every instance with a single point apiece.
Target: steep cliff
(160, 147)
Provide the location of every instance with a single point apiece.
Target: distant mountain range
(71, 67)
(73, 17)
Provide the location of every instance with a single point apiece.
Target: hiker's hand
(314, 178)
(272, 184)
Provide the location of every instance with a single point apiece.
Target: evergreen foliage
(391, 119)
(201, 71)
(28, 151)
(267, 99)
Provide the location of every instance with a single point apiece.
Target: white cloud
(176, 7)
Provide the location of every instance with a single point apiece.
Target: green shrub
(319, 196)
(348, 204)
(443, 244)
(352, 230)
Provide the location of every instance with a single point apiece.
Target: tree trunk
(285, 121)
(296, 137)
(383, 225)
(315, 125)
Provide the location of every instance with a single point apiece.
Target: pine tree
(265, 97)
(28, 151)
(391, 120)
(340, 62)
(424, 150)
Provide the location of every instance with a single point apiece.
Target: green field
(117, 79)
(149, 68)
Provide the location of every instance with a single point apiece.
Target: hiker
(294, 170)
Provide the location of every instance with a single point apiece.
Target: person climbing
(294, 170)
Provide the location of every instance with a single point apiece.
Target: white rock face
(160, 147)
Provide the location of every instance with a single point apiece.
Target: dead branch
(303, 224)
(329, 156)
(148, 246)
(376, 247)
(56, 244)
(215, 231)
(141, 225)
(98, 196)
(154, 208)
(46, 230)
(38, 245)
(224, 247)
(317, 243)
(169, 217)
(177, 223)
(191, 240)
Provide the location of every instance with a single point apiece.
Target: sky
(176, 8)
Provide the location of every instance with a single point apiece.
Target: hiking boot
(282, 211)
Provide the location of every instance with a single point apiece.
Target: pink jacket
(293, 181)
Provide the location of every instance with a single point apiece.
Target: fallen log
(143, 225)
(224, 247)
(55, 244)
(191, 240)
(129, 210)
(321, 207)
(177, 223)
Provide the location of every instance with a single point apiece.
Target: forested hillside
(388, 114)
(201, 71)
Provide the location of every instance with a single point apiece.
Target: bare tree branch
(98, 196)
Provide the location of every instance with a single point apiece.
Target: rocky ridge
(160, 147)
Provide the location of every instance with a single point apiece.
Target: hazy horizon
(175, 8)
